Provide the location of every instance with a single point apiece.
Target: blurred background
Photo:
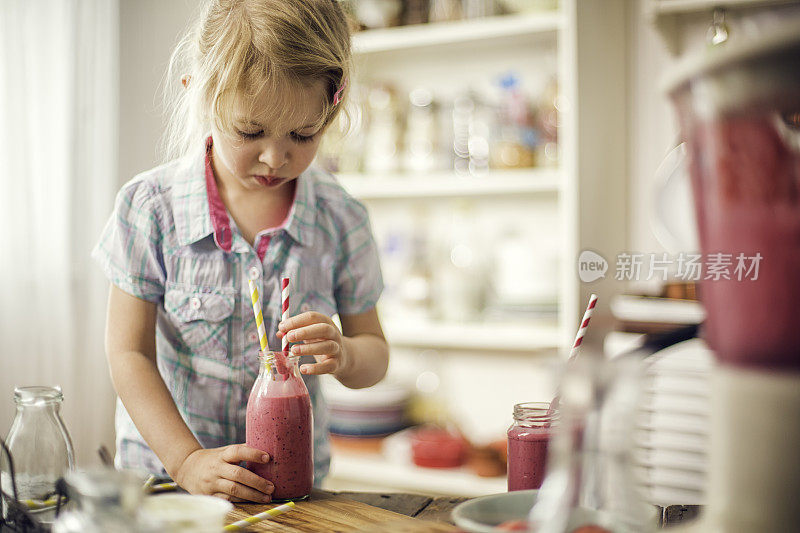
(493, 141)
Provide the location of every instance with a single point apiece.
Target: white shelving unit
(458, 32)
(583, 44)
(520, 337)
(585, 38)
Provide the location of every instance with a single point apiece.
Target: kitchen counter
(327, 511)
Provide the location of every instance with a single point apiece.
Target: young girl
(262, 80)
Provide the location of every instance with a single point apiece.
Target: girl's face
(255, 158)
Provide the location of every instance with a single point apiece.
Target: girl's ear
(185, 80)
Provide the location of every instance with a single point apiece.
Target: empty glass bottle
(40, 447)
(102, 500)
(590, 485)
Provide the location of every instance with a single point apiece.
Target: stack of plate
(372, 412)
(672, 437)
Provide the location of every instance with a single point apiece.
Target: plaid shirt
(170, 241)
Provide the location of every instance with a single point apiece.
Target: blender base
(754, 470)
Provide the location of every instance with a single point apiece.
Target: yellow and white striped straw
(262, 332)
(250, 520)
(150, 486)
(149, 483)
(41, 504)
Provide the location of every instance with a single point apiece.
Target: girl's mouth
(268, 181)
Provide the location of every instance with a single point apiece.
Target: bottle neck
(38, 399)
(278, 365)
(534, 414)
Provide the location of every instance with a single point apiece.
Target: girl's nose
(274, 154)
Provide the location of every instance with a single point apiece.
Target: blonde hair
(239, 48)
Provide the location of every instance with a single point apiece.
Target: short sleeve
(358, 280)
(130, 248)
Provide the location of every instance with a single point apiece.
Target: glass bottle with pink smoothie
(528, 438)
(279, 422)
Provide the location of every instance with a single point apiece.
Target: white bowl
(185, 513)
(481, 515)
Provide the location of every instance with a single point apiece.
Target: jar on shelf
(460, 280)
(434, 446)
(383, 134)
(40, 447)
(528, 439)
(421, 135)
(472, 120)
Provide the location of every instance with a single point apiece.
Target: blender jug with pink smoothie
(739, 109)
(739, 112)
(279, 422)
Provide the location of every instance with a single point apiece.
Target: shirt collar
(190, 203)
(200, 212)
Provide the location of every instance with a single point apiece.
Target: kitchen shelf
(458, 32)
(448, 184)
(669, 16)
(375, 472)
(673, 7)
(519, 337)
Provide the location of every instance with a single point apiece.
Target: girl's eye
(248, 135)
(302, 138)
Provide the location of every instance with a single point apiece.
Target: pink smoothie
(746, 180)
(527, 456)
(279, 423)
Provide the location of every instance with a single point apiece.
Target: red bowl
(434, 447)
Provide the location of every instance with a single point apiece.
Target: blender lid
(713, 59)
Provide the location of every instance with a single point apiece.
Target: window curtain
(58, 165)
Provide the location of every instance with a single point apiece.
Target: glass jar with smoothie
(739, 112)
(528, 438)
(279, 422)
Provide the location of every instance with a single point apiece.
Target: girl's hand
(319, 337)
(216, 471)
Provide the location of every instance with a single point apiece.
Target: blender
(738, 107)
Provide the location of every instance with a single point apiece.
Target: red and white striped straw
(284, 308)
(584, 325)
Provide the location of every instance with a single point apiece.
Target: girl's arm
(366, 348)
(358, 356)
(131, 350)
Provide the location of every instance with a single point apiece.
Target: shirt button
(196, 303)
(253, 337)
(255, 273)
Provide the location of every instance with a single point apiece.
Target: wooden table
(333, 512)
(327, 511)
